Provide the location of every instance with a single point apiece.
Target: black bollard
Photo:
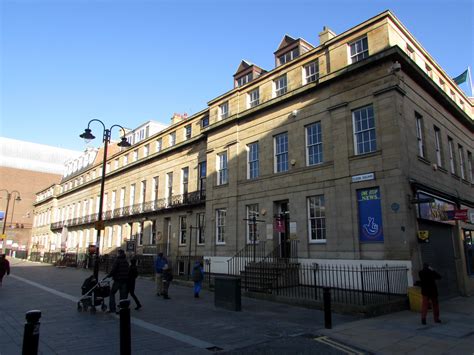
(31, 334)
(327, 307)
(125, 329)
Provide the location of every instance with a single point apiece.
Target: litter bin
(415, 298)
(227, 293)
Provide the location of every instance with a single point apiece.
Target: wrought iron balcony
(172, 202)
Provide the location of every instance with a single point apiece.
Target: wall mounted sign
(363, 177)
(423, 236)
(438, 210)
(370, 215)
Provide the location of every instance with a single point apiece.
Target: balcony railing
(175, 201)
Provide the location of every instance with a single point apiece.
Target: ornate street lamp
(17, 198)
(88, 136)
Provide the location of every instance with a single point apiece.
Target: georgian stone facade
(366, 124)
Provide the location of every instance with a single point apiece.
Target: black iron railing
(249, 254)
(286, 251)
(350, 284)
(175, 201)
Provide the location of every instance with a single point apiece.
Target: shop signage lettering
(370, 215)
(363, 177)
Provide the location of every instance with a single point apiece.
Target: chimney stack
(326, 35)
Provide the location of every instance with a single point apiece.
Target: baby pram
(93, 294)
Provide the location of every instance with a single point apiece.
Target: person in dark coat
(132, 276)
(4, 267)
(167, 278)
(198, 276)
(429, 291)
(119, 273)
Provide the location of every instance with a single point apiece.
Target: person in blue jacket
(198, 276)
(160, 262)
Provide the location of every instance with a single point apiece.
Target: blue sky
(130, 61)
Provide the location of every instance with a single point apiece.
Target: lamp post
(17, 198)
(87, 136)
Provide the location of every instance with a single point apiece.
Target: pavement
(185, 325)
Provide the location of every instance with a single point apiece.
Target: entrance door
(439, 253)
(283, 217)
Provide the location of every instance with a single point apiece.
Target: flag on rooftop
(461, 78)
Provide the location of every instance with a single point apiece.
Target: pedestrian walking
(119, 273)
(159, 263)
(167, 278)
(429, 291)
(4, 267)
(198, 276)
(132, 276)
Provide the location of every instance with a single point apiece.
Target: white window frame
(419, 135)
(172, 139)
(224, 110)
(182, 230)
(118, 241)
(288, 56)
(253, 98)
(438, 147)
(159, 144)
(110, 233)
(131, 201)
(253, 163)
(314, 144)
(135, 155)
(247, 78)
(201, 234)
(319, 234)
(139, 233)
(122, 197)
(142, 192)
(221, 214)
(470, 167)
(452, 161)
(371, 130)
(311, 72)
(169, 186)
(280, 153)
(204, 122)
(461, 161)
(146, 150)
(358, 49)
(187, 132)
(222, 168)
(280, 86)
(125, 162)
(185, 180)
(156, 186)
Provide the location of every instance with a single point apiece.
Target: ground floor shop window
(469, 251)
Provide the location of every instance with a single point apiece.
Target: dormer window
(246, 72)
(289, 56)
(244, 79)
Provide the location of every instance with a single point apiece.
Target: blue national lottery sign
(370, 215)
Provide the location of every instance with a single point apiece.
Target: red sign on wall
(279, 225)
(460, 214)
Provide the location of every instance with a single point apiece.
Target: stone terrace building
(351, 152)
